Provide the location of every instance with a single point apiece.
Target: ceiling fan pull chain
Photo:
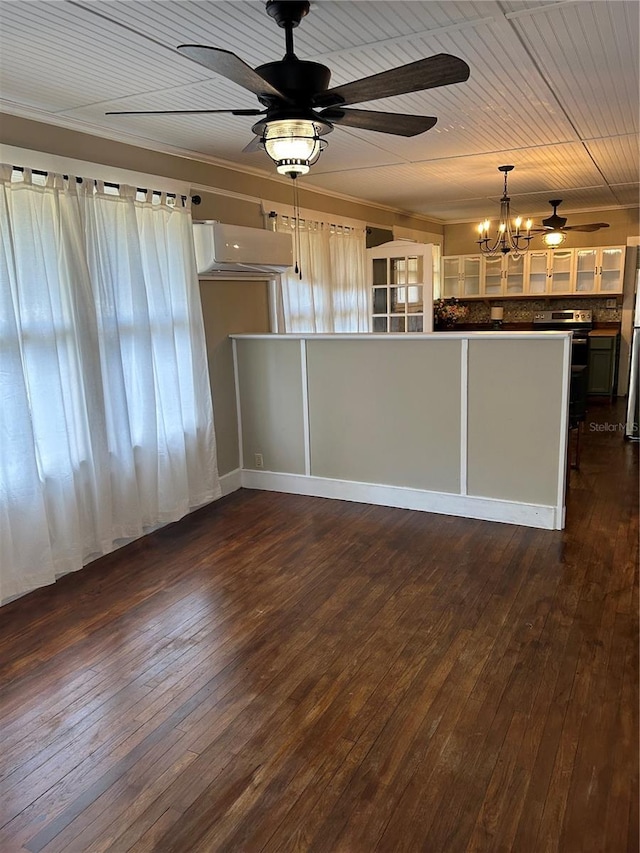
(296, 213)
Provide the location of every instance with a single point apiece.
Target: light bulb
(293, 144)
(554, 238)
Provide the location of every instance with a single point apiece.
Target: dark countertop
(599, 328)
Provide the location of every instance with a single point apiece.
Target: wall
(227, 307)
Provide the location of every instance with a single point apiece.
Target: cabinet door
(601, 365)
(537, 271)
(586, 270)
(562, 270)
(470, 276)
(451, 276)
(514, 275)
(611, 266)
(492, 276)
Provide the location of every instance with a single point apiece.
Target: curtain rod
(272, 214)
(195, 199)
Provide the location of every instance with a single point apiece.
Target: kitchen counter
(461, 423)
(604, 333)
(599, 328)
(489, 327)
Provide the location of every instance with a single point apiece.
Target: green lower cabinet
(603, 352)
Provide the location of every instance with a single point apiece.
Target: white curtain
(331, 295)
(106, 424)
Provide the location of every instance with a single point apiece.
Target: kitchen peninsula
(468, 423)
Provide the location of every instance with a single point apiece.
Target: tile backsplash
(522, 310)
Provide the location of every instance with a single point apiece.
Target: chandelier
(509, 238)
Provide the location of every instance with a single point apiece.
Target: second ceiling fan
(555, 226)
(300, 108)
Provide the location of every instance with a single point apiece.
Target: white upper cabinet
(461, 276)
(470, 275)
(539, 272)
(502, 275)
(514, 275)
(600, 270)
(492, 275)
(549, 271)
(561, 278)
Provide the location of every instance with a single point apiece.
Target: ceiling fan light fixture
(552, 239)
(509, 237)
(294, 144)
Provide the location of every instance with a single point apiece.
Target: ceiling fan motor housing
(298, 79)
(555, 221)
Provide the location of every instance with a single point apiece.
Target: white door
(401, 281)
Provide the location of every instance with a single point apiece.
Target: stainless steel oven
(578, 322)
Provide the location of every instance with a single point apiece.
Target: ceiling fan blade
(185, 112)
(399, 124)
(590, 226)
(254, 145)
(440, 70)
(230, 66)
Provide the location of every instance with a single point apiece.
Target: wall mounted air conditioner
(236, 250)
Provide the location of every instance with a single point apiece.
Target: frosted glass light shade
(554, 238)
(293, 145)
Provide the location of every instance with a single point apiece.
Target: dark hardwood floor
(281, 673)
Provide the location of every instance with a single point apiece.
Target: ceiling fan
(300, 108)
(554, 226)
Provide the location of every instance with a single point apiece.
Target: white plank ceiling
(553, 90)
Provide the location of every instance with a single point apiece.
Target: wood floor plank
(280, 673)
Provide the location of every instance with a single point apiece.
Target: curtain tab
(128, 192)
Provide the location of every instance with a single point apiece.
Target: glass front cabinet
(539, 272)
(502, 275)
(549, 271)
(401, 282)
(461, 276)
(600, 270)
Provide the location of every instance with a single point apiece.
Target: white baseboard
(231, 482)
(443, 503)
